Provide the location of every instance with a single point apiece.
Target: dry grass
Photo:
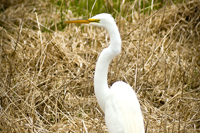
(47, 76)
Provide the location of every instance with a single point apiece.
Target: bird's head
(104, 20)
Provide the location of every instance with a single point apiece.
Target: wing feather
(122, 111)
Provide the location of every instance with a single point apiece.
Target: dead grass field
(46, 82)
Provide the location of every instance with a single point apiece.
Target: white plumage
(119, 103)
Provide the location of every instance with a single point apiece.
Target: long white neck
(100, 77)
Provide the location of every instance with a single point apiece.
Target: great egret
(119, 103)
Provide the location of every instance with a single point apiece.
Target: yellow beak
(83, 21)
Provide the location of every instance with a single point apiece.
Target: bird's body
(119, 102)
(122, 112)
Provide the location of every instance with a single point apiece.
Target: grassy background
(89, 8)
(47, 68)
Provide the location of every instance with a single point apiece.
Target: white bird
(119, 102)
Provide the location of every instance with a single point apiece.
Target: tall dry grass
(47, 75)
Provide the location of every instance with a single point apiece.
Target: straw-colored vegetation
(46, 82)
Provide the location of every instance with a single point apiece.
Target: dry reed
(47, 75)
